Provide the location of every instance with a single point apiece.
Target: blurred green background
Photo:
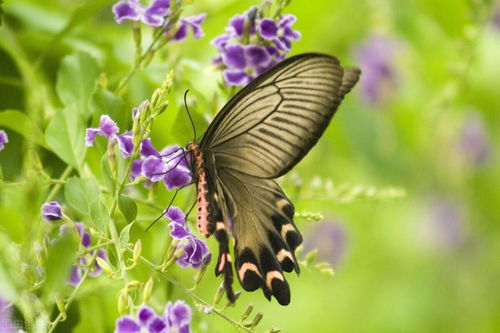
(428, 261)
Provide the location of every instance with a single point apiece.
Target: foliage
(418, 240)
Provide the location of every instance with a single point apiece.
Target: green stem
(238, 325)
(60, 317)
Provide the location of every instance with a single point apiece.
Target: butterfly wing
(265, 235)
(261, 133)
(270, 125)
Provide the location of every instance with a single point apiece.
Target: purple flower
(496, 18)
(84, 236)
(170, 165)
(178, 224)
(446, 223)
(154, 169)
(127, 324)
(3, 139)
(376, 57)
(125, 143)
(175, 318)
(154, 15)
(6, 322)
(107, 127)
(195, 253)
(474, 142)
(193, 22)
(136, 170)
(244, 63)
(281, 33)
(178, 316)
(329, 238)
(241, 58)
(76, 271)
(51, 211)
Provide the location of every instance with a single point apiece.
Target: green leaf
(66, 137)
(77, 81)
(20, 123)
(128, 208)
(12, 224)
(80, 193)
(99, 215)
(125, 234)
(62, 254)
(105, 102)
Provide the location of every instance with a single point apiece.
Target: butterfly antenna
(165, 211)
(189, 114)
(190, 209)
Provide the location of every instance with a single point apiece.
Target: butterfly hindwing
(264, 232)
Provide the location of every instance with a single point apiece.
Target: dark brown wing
(273, 122)
(265, 236)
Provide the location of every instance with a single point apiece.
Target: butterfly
(259, 135)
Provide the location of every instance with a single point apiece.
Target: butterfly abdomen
(203, 223)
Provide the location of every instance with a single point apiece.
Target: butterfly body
(259, 135)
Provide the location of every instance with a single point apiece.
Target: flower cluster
(170, 165)
(156, 15)
(375, 57)
(195, 250)
(3, 139)
(76, 270)
(252, 44)
(51, 211)
(176, 317)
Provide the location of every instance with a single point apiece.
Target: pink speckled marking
(202, 211)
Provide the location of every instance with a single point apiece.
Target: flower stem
(190, 293)
(60, 317)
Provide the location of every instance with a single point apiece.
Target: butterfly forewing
(272, 123)
(261, 133)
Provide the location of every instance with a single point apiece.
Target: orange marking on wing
(248, 266)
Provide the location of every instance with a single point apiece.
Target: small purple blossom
(6, 322)
(242, 60)
(107, 128)
(153, 15)
(376, 56)
(125, 143)
(281, 33)
(127, 324)
(51, 211)
(195, 253)
(474, 141)
(329, 238)
(496, 18)
(3, 139)
(170, 165)
(77, 271)
(193, 23)
(446, 223)
(178, 224)
(176, 317)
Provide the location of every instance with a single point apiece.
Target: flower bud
(148, 289)
(105, 266)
